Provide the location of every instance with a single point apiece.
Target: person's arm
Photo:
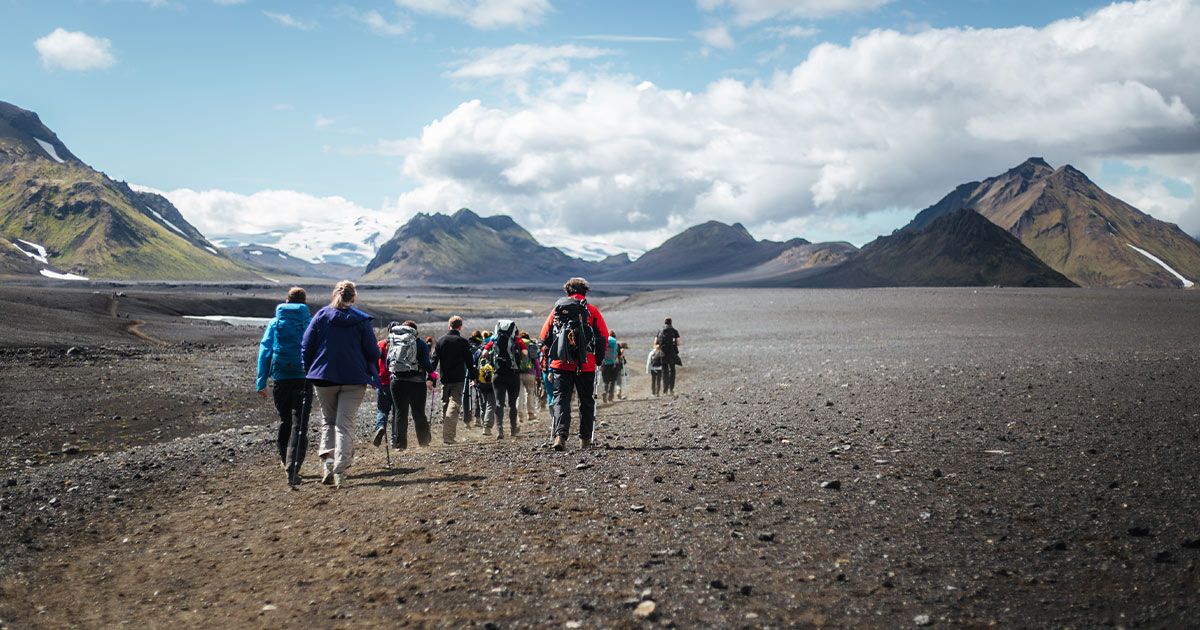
(469, 361)
(436, 357)
(649, 360)
(423, 356)
(546, 327)
(370, 350)
(265, 348)
(601, 327)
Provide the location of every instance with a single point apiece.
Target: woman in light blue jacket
(279, 358)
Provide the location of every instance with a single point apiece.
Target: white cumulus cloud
(891, 120)
(73, 50)
(754, 11)
(716, 37)
(484, 14)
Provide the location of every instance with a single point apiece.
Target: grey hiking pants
(339, 405)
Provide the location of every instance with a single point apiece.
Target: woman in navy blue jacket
(279, 359)
(340, 355)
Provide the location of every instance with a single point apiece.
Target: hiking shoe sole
(378, 436)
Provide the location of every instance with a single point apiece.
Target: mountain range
(73, 221)
(1034, 225)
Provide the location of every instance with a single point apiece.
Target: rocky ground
(850, 458)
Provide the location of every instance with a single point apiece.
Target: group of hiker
(335, 354)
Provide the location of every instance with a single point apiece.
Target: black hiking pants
(293, 400)
(567, 384)
(668, 375)
(507, 388)
(409, 396)
(655, 382)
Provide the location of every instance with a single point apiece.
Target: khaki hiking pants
(529, 402)
(452, 395)
(339, 405)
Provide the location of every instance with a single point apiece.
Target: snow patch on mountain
(49, 148)
(40, 254)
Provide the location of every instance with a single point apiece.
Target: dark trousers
(668, 375)
(655, 382)
(293, 401)
(507, 389)
(566, 384)
(610, 374)
(409, 397)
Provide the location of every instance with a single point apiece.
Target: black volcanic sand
(1012, 457)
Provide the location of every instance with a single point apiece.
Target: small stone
(583, 466)
(1139, 532)
(923, 620)
(1193, 543)
(747, 590)
(718, 585)
(645, 609)
(831, 485)
(638, 508)
(1163, 556)
(937, 473)
(269, 607)
(766, 536)
(573, 624)
(747, 506)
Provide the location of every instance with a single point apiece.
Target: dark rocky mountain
(465, 247)
(703, 251)
(1076, 227)
(270, 260)
(87, 223)
(960, 248)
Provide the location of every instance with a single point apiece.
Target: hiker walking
(411, 375)
(383, 395)
(668, 341)
(610, 369)
(530, 375)
(452, 358)
(572, 336)
(505, 349)
(654, 367)
(340, 353)
(485, 396)
(472, 406)
(280, 359)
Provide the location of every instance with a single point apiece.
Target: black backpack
(504, 346)
(571, 337)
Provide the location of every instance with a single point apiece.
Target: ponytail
(343, 294)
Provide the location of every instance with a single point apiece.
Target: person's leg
(585, 387)
(655, 382)
(564, 388)
(451, 394)
(468, 392)
(399, 416)
(513, 385)
(668, 375)
(328, 397)
(383, 406)
(416, 400)
(488, 406)
(348, 402)
(298, 441)
(500, 394)
(284, 396)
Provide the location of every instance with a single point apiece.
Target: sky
(616, 123)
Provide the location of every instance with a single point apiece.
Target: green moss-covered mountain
(1088, 235)
(465, 247)
(960, 248)
(89, 224)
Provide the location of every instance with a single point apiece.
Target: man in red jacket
(572, 377)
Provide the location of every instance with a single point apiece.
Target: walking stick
(386, 441)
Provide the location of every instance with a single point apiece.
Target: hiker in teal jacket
(279, 358)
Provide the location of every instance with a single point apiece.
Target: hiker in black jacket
(452, 357)
(668, 342)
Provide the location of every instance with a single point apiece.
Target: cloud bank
(71, 50)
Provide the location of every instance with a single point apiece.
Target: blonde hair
(343, 294)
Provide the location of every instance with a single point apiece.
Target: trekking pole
(386, 441)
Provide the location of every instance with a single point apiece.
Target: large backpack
(504, 346)
(571, 336)
(485, 371)
(402, 351)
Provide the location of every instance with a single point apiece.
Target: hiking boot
(515, 430)
(500, 434)
(560, 443)
(585, 444)
(487, 430)
(327, 478)
(294, 480)
(339, 481)
(379, 433)
(449, 442)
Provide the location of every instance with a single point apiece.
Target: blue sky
(310, 98)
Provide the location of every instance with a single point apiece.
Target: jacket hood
(290, 311)
(347, 318)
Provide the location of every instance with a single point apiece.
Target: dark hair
(576, 285)
(456, 322)
(667, 321)
(296, 295)
(410, 323)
